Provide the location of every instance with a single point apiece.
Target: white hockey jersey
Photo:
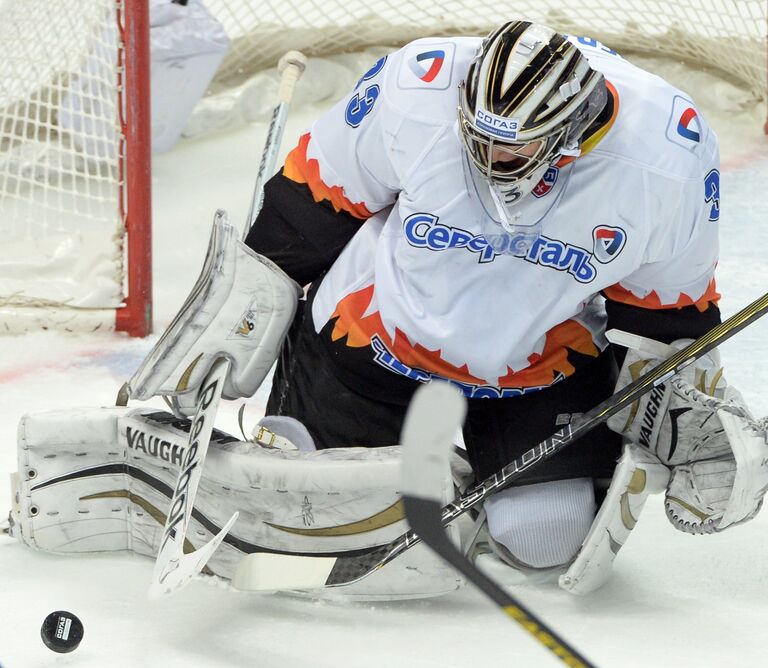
(634, 218)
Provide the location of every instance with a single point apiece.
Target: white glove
(726, 476)
(701, 429)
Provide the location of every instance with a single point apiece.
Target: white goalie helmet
(527, 99)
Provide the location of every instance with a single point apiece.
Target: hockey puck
(61, 631)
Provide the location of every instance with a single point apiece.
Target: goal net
(74, 172)
(725, 35)
(68, 187)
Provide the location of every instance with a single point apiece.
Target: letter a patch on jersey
(427, 66)
(609, 242)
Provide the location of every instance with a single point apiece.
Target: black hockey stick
(346, 569)
(435, 413)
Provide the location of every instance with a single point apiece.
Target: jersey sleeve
(344, 158)
(337, 176)
(673, 294)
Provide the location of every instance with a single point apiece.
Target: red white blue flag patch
(684, 127)
(427, 66)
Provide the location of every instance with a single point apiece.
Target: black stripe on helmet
(473, 73)
(470, 87)
(533, 74)
(489, 43)
(504, 49)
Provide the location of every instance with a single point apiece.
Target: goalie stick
(173, 568)
(291, 66)
(435, 413)
(260, 571)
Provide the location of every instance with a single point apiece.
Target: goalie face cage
(74, 116)
(75, 199)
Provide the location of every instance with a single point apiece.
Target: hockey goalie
(478, 211)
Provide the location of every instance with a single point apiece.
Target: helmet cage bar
(480, 148)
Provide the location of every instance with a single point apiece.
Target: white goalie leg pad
(240, 308)
(96, 480)
(542, 525)
(62, 518)
(637, 475)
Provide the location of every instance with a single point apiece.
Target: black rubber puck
(62, 631)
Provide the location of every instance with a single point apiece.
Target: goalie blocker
(240, 308)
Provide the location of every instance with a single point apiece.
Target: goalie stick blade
(179, 571)
(174, 569)
(435, 413)
(281, 572)
(274, 572)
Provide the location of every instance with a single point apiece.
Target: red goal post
(135, 317)
(75, 161)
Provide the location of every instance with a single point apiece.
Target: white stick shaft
(642, 344)
(173, 568)
(291, 67)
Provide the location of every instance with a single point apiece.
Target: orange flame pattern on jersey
(553, 360)
(351, 321)
(300, 169)
(359, 330)
(652, 300)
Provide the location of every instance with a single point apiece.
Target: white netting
(726, 35)
(60, 219)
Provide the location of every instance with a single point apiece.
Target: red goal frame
(135, 165)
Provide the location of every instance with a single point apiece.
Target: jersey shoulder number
(363, 98)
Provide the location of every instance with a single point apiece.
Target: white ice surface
(674, 600)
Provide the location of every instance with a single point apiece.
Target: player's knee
(542, 525)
